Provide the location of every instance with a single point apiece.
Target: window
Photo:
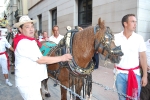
(40, 24)
(54, 17)
(85, 13)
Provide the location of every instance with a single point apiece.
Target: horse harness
(105, 43)
(65, 46)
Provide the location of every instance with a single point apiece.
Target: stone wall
(111, 11)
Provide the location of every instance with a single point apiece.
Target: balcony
(18, 13)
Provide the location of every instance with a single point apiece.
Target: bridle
(105, 44)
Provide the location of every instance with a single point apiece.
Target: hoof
(12, 72)
(47, 95)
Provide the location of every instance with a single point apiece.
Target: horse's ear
(101, 23)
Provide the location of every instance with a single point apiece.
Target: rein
(105, 43)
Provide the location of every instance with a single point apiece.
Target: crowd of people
(129, 79)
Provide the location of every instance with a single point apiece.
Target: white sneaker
(9, 84)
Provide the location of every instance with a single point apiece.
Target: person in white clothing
(45, 37)
(145, 91)
(56, 37)
(128, 78)
(4, 60)
(30, 64)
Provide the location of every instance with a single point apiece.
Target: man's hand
(66, 57)
(144, 81)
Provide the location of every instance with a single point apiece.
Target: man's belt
(132, 84)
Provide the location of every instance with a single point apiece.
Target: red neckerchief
(19, 37)
(132, 84)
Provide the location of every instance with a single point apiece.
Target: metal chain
(105, 87)
(112, 89)
(75, 94)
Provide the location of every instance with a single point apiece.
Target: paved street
(102, 75)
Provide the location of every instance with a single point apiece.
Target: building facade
(14, 9)
(86, 12)
(11, 6)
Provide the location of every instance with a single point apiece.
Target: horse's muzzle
(116, 54)
(117, 51)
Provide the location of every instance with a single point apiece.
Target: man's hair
(43, 32)
(125, 18)
(55, 26)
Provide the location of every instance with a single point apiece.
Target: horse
(82, 45)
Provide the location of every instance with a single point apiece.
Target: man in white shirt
(128, 78)
(30, 65)
(4, 60)
(56, 37)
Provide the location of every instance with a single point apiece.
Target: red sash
(132, 85)
(20, 37)
(8, 64)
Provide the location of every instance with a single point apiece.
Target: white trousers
(31, 92)
(3, 63)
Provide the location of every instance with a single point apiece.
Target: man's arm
(11, 48)
(51, 60)
(144, 66)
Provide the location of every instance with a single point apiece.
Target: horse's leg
(78, 87)
(45, 89)
(89, 87)
(64, 91)
(64, 80)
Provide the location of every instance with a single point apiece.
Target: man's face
(56, 31)
(131, 23)
(45, 35)
(27, 29)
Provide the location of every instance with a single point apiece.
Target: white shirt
(131, 48)
(27, 70)
(147, 43)
(56, 40)
(3, 44)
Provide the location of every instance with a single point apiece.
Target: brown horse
(82, 46)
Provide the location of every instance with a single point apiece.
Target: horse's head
(104, 44)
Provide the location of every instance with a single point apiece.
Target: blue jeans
(121, 84)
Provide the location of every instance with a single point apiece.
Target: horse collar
(72, 64)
